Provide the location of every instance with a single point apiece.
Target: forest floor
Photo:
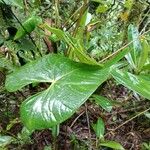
(76, 133)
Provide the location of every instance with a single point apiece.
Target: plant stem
(88, 124)
(82, 11)
(57, 22)
(120, 49)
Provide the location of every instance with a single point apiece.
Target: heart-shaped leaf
(71, 85)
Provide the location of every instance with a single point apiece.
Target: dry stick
(116, 52)
(120, 49)
(77, 119)
(88, 124)
(127, 110)
(144, 27)
(143, 18)
(127, 121)
(72, 16)
(139, 114)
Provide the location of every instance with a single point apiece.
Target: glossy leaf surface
(71, 84)
(133, 82)
(103, 102)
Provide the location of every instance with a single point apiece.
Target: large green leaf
(71, 84)
(74, 44)
(133, 82)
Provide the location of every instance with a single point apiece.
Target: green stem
(57, 22)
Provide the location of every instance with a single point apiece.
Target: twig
(75, 13)
(120, 49)
(144, 27)
(139, 114)
(127, 110)
(88, 124)
(127, 121)
(116, 52)
(77, 118)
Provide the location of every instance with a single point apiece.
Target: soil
(76, 132)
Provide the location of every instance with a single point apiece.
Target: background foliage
(61, 52)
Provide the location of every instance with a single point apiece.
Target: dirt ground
(76, 132)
